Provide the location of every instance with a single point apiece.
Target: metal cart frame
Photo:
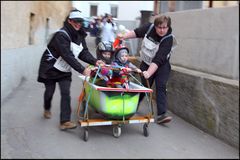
(85, 122)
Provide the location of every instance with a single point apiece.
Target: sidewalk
(26, 134)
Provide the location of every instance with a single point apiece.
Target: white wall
(208, 40)
(127, 10)
(83, 6)
(103, 6)
(130, 10)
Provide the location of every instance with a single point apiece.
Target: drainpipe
(156, 8)
(145, 16)
(210, 4)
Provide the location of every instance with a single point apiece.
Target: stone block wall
(203, 87)
(209, 102)
(208, 40)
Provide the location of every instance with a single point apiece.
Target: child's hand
(129, 69)
(138, 70)
(120, 36)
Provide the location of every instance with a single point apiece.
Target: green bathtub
(114, 103)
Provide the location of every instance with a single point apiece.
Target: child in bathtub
(120, 77)
(104, 52)
(116, 74)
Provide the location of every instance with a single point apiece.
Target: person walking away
(98, 30)
(61, 55)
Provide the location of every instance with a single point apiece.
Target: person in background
(56, 63)
(98, 30)
(155, 54)
(109, 29)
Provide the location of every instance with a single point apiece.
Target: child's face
(124, 57)
(106, 55)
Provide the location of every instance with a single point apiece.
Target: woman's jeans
(161, 77)
(64, 85)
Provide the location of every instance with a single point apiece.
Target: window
(47, 29)
(31, 32)
(93, 10)
(114, 11)
(171, 6)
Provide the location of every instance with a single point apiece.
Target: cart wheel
(85, 135)
(116, 131)
(145, 130)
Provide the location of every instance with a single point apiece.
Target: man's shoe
(67, 125)
(47, 114)
(163, 119)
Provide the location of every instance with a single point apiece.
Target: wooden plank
(103, 122)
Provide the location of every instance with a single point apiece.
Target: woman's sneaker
(163, 119)
(67, 125)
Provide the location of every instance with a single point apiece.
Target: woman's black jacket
(60, 46)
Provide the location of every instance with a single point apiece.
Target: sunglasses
(74, 21)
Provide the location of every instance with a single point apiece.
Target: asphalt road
(26, 134)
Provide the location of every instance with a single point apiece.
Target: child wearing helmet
(122, 61)
(105, 52)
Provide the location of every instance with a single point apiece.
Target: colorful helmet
(105, 47)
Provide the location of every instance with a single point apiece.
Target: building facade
(25, 27)
(122, 10)
(173, 6)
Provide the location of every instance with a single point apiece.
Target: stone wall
(208, 40)
(209, 102)
(203, 87)
(15, 20)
